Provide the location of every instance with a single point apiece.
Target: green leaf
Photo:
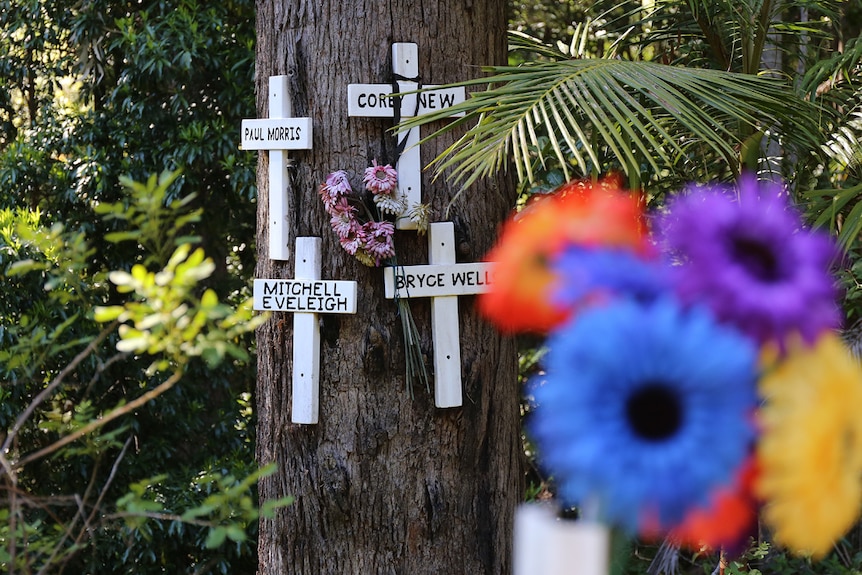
(236, 533)
(635, 112)
(198, 511)
(116, 237)
(269, 507)
(104, 314)
(23, 266)
(215, 537)
(209, 299)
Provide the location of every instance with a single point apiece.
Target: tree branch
(88, 521)
(49, 389)
(95, 424)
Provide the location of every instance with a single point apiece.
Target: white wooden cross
(277, 134)
(378, 101)
(443, 281)
(306, 296)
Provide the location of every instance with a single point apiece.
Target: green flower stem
(413, 360)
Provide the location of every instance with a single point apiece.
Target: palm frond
(725, 34)
(519, 41)
(601, 111)
(827, 74)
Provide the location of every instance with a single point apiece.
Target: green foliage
(834, 175)
(167, 319)
(548, 21)
(675, 91)
(667, 92)
(77, 394)
(226, 509)
(114, 88)
(94, 98)
(151, 218)
(586, 116)
(763, 558)
(634, 557)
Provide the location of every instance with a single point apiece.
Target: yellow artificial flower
(810, 453)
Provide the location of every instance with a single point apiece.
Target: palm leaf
(630, 113)
(727, 34)
(831, 78)
(826, 205)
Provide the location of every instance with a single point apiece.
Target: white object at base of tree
(547, 545)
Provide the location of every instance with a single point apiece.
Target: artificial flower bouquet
(364, 220)
(694, 379)
(362, 230)
(364, 223)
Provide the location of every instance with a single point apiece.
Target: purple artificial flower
(340, 207)
(327, 197)
(751, 261)
(379, 230)
(334, 189)
(380, 179)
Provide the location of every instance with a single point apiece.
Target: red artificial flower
(727, 521)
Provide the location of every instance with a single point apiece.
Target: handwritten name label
(377, 101)
(276, 134)
(310, 296)
(438, 280)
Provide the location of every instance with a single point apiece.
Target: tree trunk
(383, 484)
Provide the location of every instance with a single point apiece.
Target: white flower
(389, 204)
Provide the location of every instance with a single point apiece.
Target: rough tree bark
(383, 484)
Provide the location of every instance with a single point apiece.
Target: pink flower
(344, 223)
(379, 240)
(338, 184)
(379, 230)
(326, 196)
(352, 242)
(335, 187)
(340, 206)
(380, 179)
(370, 242)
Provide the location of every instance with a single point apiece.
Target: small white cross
(443, 281)
(277, 134)
(306, 296)
(377, 101)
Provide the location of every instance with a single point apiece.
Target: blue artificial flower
(646, 408)
(751, 262)
(585, 275)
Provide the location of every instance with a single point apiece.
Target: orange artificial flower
(732, 512)
(583, 213)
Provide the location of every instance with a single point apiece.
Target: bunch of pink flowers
(368, 239)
